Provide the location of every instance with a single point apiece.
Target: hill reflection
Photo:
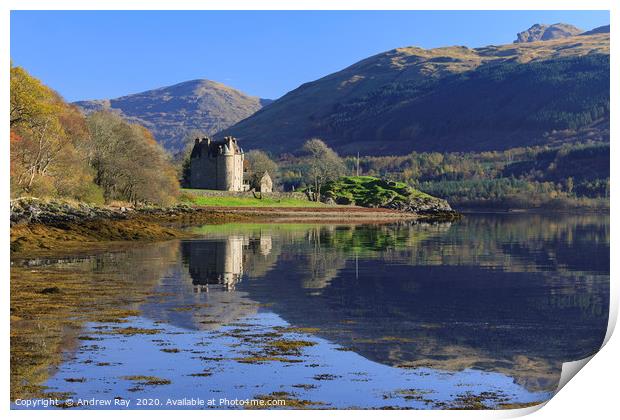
(513, 294)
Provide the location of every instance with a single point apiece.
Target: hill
(445, 99)
(542, 32)
(174, 112)
(600, 30)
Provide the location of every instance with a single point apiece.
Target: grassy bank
(369, 191)
(197, 198)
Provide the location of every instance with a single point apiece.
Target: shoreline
(42, 228)
(534, 210)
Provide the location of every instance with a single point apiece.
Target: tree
(39, 135)
(321, 165)
(49, 143)
(156, 181)
(29, 98)
(56, 152)
(258, 162)
(129, 164)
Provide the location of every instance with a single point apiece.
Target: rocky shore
(40, 227)
(53, 226)
(55, 212)
(426, 206)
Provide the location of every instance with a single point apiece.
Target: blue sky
(96, 54)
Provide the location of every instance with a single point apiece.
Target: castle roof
(208, 147)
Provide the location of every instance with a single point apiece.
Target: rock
(425, 206)
(50, 290)
(175, 210)
(56, 212)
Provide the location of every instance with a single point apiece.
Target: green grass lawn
(194, 197)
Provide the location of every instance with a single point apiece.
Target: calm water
(417, 316)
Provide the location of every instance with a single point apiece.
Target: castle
(217, 165)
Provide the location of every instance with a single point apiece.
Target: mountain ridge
(174, 112)
(376, 105)
(544, 32)
(599, 30)
(312, 109)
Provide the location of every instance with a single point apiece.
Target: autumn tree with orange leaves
(57, 152)
(49, 142)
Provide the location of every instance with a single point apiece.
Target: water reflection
(45, 326)
(220, 260)
(215, 262)
(490, 300)
(517, 294)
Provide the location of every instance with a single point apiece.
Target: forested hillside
(446, 99)
(573, 175)
(495, 107)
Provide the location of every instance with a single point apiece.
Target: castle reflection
(221, 261)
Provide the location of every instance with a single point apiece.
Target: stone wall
(203, 172)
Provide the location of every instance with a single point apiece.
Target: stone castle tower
(217, 165)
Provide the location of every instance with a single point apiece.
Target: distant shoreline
(530, 210)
